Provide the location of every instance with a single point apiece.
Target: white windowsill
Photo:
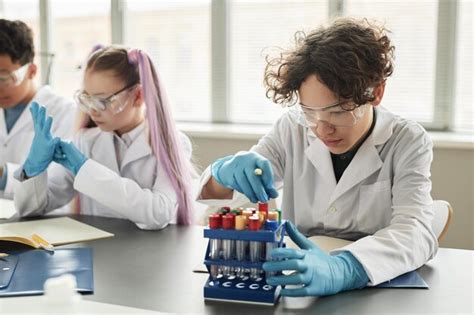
(445, 140)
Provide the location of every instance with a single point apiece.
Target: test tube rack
(241, 288)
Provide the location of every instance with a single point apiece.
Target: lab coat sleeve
(9, 187)
(149, 209)
(46, 192)
(409, 241)
(268, 146)
(271, 147)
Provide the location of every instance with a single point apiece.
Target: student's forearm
(213, 190)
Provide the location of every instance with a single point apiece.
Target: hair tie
(133, 56)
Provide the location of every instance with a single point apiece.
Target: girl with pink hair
(127, 160)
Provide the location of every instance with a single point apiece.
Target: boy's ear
(378, 93)
(33, 70)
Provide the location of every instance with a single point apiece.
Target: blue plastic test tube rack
(242, 289)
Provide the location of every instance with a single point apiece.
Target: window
(28, 12)
(256, 29)
(410, 90)
(211, 54)
(176, 34)
(464, 107)
(76, 27)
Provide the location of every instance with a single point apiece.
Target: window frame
(445, 72)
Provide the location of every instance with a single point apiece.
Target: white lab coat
(138, 190)
(382, 200)
(14, 146)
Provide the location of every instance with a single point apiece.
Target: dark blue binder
(25, 272)
(407, 280)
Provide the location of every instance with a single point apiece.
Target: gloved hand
(69, 156)
(318, 273)
(43, 145)
(238, 172)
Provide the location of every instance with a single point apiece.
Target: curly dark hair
(16, 41)
(349, 56)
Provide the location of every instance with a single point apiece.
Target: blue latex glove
(43, 145)
(318, 273)
(238, 172)
(69, 156)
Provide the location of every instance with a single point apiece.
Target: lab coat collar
(42, 96)
(320, 157)
(366, 161)
(105, 143)
(140, 145)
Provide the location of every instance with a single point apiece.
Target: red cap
(228, 221)
(254, 224)
(215, 221)
(263, 207)
(226, 208)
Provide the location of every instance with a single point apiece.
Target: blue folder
(25, 272)
(408, 280)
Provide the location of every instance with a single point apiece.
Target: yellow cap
(273, 215)
(240, 221)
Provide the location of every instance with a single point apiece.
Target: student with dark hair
(128, 159)
(17, 92)
(348, 167)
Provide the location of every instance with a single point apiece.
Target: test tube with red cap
(215, 222)
(263, 208)
(228, 246)
(255, 247)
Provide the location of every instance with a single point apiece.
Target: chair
(443, 213)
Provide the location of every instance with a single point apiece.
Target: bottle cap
(215, 221)
(263, 207)
(240, 221)
(254, 223)
(271, 225)
(228, 221)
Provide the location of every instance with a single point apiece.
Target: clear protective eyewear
(340, 114)
(116, 102)
(13, 78)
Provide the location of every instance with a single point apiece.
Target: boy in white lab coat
(17, 91)
(127, 161)
(348, 167)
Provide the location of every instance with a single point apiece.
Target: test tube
(255, 247)
(240, 245)
(215, 222)
(263, 208)
(228, 246)
(270, 225)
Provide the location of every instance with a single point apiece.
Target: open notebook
(48, 232)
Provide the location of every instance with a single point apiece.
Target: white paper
(7, 208)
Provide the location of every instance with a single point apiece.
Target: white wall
(452, 175)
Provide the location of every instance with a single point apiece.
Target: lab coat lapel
(3, 125)
(365, 163)
(367, 159)
(138, 149)
(105, 151)
(320, 157)
(23, 121)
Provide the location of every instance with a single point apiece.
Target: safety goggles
(340, 114)
(115, 102)
(13, 78)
